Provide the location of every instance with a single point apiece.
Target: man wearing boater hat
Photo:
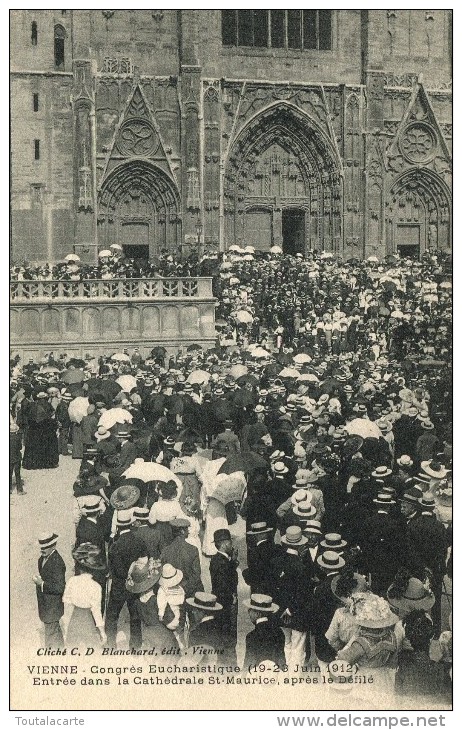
(206, 626)
(50, 582)
(266, 641)
(124, 551)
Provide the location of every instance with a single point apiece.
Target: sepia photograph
(230, 369)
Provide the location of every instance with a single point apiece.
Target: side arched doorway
(138, 208)
(418, 214)
(282, 185)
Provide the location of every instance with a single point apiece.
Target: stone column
(83, 103)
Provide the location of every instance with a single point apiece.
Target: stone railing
(112, 289)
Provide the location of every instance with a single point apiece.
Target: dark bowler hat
(220, 535)
(206, 602)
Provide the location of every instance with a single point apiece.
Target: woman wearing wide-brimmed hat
(344, 626)
(143, 578)
(408, 593)
(375, 646)
(83, 621)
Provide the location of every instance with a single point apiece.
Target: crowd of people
(319, 426)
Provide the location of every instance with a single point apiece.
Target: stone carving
(137, 138)
(193, 199)
(157, 15)
(401, 80)
(418, 143)
(120, 66)
(107, 14)
(85, 189)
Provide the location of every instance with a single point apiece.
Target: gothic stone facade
(327, 130)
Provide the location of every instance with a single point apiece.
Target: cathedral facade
(325, 130)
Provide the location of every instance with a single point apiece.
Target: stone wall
(153, 129)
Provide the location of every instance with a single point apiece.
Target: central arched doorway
(282, 185)
(139, 209)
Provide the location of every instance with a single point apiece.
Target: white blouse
(83, 592)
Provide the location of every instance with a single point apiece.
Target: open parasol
(228, 487)
(109, 418)
(150, 471)
(120, 357)
(198, 377)
(237, 371)
(302, 357)
(243, 316)
(276, 249)
(105, 253)
(127, 382)
(363, 427)
(72, 257)
(78, 408)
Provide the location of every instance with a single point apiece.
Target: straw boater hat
(427, 502)
(141, 578)
(102, 434)
(427, 425)
(416, 597)
(404, 460)
(92, 505)
(384, 500)
(124, 518)
(206, 602)
(434, 469)
(260, 602)
(279, 468)
(170, 576)
(312, 527)
(304, 509)
(300, 495)
(294, 537)
(276, 456)
(381, 472)
(373, 612)
(47, 539)
(259, 528)
(333, 541)
(330, 560)
(125, 496)
(141, 514)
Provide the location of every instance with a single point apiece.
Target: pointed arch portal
(139, 209)
(418, 214)
(282, 185)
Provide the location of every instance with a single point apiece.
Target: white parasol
(198, 377)
(302, 358)
(237, 371)
(363, 427)
(78, 408)
(112, 416)
(276, 249)
(289, 373)
(127, 382)
(105, 253)
(243, 316)
(150, 471)
(72, 257)
(120, 357)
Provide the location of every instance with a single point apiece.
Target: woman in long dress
(41, 442)
(83, 620)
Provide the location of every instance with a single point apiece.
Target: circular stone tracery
(137, 138)
(418, 143)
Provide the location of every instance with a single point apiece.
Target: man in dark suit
(223, 574)
(325, 604)
(184, 557)
(266, 641)
(90, 528)
(207, 628)
(125, 550)
(50, 583)
(428, 543)
(261, 551)
(382, 545)
(151, 537)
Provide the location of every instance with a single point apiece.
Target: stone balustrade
(112, 289)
